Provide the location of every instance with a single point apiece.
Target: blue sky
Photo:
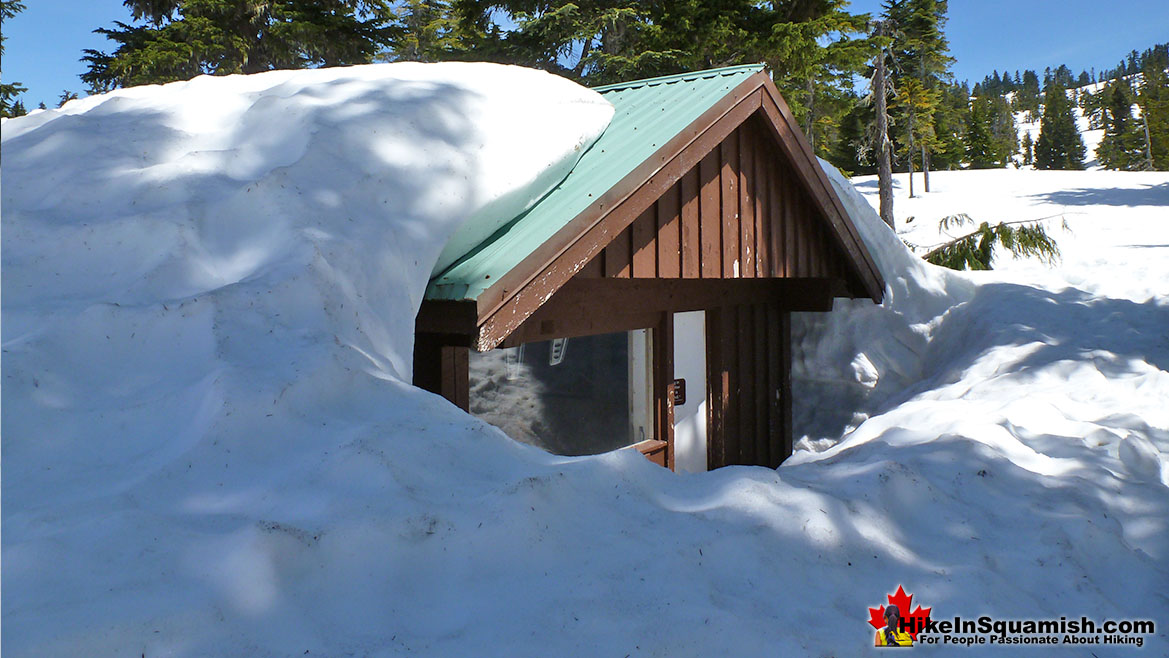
(45, 41)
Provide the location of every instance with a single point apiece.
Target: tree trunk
(884, 164)
(909, 155)
(1148, 142)
(925, 167)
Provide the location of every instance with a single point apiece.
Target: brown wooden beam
(447, 317)
(443, 369)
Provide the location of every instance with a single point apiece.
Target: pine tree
(852, 152)
(1154, 104)
(880, 91)
(919, 51)
(814, 53)
(179, 39)
(1123, 145)
(1027, 98)
(1027, 147)
(1005, 135)
(950, 120)
(430, 31)
(979, 138)
(9, 106)
(810, 46)
(1092, 105)
(915, 105)
(1059, 145)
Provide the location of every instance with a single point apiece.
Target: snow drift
(209, 448)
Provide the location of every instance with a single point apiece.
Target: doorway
(690, 405)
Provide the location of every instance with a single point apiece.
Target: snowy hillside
(209, 447)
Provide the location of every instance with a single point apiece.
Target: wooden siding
(749, 385)
(739, 213)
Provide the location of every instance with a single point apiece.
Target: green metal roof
(648, 113)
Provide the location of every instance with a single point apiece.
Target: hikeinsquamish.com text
(989, 631)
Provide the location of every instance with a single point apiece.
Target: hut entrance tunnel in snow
(646, 300)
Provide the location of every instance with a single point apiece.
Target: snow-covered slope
(209, 447)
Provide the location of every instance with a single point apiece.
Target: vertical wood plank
(774, 408)
(729, 180)
(802, 244)
(670, 233)
(746, 385)
(645, 248)
(785, 346)
(746, 201)
(663, 369)
(617, 256)
(691, 238)
(762, 222)
(790, 218)
(710, 216)
(779, 221)
(820, 263)
(715, 384)
(730, 386)
(762, 407)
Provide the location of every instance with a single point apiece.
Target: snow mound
(355, 177)
(209, 296)
(863, 353)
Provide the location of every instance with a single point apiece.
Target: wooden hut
(646, 300)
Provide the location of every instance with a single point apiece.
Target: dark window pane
(569, 397)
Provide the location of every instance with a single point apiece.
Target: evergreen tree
(1154, 104)
(979, 138)
(1005, 135)
(880, 91)
(852, 152)
(814, 51)
(950, 121)
(9, 106)
(810, 46)
(1027, 149)
(1092, 105)
(1027, 97)
(921, 69)
(1123, 145)
(1059, 145)
(430, 31)
(179, 39)
(915, 106)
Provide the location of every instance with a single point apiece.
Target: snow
(209, 447)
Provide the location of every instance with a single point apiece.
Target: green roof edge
(676, 77)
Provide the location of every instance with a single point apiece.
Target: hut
(646, 300)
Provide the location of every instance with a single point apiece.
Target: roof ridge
(679, 77)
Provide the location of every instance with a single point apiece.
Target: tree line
(916, 116)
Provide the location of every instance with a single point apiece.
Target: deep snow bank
(849, 362)
(355, 177)
(210, 285)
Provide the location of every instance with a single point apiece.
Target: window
(569, 396)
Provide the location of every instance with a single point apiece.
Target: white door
(690, 417)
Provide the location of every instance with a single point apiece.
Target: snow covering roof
(653, 120)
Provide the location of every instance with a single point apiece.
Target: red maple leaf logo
(914, 621)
